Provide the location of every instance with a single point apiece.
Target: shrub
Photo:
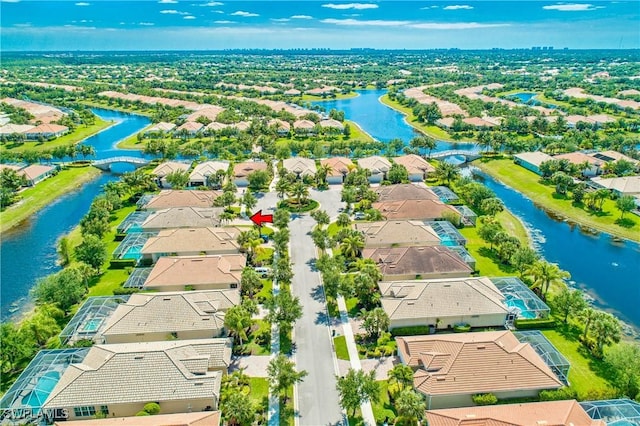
(393, 390)
(410, 331)
(535, 324)
(484, 399)
(142, 413)
(122, 263)
(152, 408)
(461, 328)
(122, 291)
(557, 395)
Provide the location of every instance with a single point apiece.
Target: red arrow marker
(258, 218)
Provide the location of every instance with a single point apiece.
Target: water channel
(28, 252)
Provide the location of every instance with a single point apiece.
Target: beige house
(149, 317)
(46, 130)
(377, 166)
(626, 185)
(397, 233)
(160, 128)
(424, 262)
(548, 413)
(167, 199)
(531, 160)
(591, 164)
(339, 168)
(415, 209)
(241, 171)
(182, 217)
(204, 418)
(300, 166)
(404, 191)
(163, 169)
(451, 368)
(35, 173)
(190, 128)
(614, 156)
(335, 125)
(200, 174)
(417, 166)
(304, 126)
(119, 379)
(191, 242)
(282, 127)
(196, 272)
(443, 303)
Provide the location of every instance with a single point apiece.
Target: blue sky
(201, 25)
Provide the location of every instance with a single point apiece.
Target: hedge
(122, 263)
(535, 324)
(461, 328)
(410, 331)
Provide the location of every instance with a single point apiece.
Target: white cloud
(370, 23)
(357, 6)
(458, 7)
(217, 11)
(27, 25)
(173, 12)
(82, 4)
(213, 3)
(280, 19)
(244, 14)
(146, 24)
(168, 1)
(224, 22)
(429, 7)
(455, 26)
(301, 17)
(9, 1)
(189, 17)
(572, 7)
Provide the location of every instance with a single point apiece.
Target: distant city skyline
(213, 25)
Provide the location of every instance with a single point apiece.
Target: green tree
(587, 316)
(282, 187)
(238, 409)
(92, 251)
(376, 321)
(352, 245)
(410, 406)
(299, 191)
(284, 309)
(401, 374)
(237, 320)
(40, 327)
(491, 206)
(422, 143)
(569, 303)
(321, 217)
(249, 281)
(562, 181)
(281, 218)
(522, 258)
(398, 174)
(178, 179)
(606, 330)
(64, 251)
(282, 374)
(320, 238)
(17, 347)
(357, 387)
(64, 289)
(488, 231)
(447, 172)
(343, 220)
(544, 274)
(249, 201)
(624, 364)
(225, 200)
(259, 180)
(625, 204)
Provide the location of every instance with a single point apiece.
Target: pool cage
(137, 278)
(91, 318)
(520, 299)
(131, 246)
(22, 404)
(469, 217)
(465, 255)
(449, 235)
(616, 412)
(549, 354)
(133, 222)
(144, 200)
(445, 194)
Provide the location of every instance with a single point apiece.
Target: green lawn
(76, 136)
(313, 98)
(39, 196)
(381, 409)
(340, 343)
(529, 184)
(259, 389)
(357, 133)
(583, 375)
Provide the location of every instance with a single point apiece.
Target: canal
(28, 252)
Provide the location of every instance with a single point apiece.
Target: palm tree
(587, 316)
(321, 174)
(411, 406)
(300, 191)
(544, 274)
(401, 374)
(237, 320)
(282, 187)
(606, 331)
(352, 245)
(343, 220)
(447, 172)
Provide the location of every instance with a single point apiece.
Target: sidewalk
(274, 401)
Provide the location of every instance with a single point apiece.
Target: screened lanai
(520, 299)
(549, 354)
(137, 278)
(444, 194)
(133, 222)
(23, 401)
(449, 235)
(616, 412)
(131, 246)
(90, 319)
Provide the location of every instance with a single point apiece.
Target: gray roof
(183, 217)
(417, 260)
(404, 191)
(143, 372)
(171, 312)
(441, 298)
(400, 232)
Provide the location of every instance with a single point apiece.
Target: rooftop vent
(138, 357)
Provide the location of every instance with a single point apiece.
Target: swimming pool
(523, 311)
(92, 325)
(134, 252)
(39, 394)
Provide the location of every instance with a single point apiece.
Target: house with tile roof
(171, 198)
(377, 166)
(417, 167)
(626, 185)
(119, 379)
(300, 166)
(404, 191)
(304, 127)
(451, 368)
(397, 233)
(46, 131)
(339, 168)
(201, 172)
(172, 273)
(190, 128)
(282, 127)
(421, 262)
(241, 171)
(415, 209)
(204, 418)
(10, 129)
(332, 124)
(149, 317)
(581, 160)
(548, 413)
(182, 217)
(531, 160)
(35, 173)
(191, 242)
(443, 303)
(167, 167)
(611, 155)
(159, 128)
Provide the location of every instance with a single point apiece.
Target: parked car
(263, 271)
(359, 216)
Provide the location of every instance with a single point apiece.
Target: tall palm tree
(300, 191)
(352, 245)
(343, 220)
(322, 172)
(545, 273)
(447, 172)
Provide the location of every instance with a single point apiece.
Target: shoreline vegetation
(528, 183)
(38, 197)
